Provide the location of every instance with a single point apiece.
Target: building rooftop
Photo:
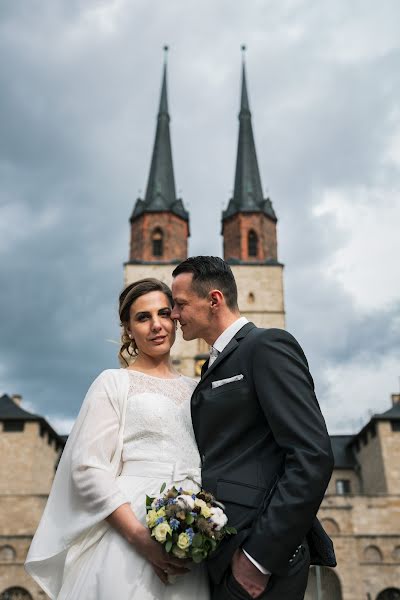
(11, 411)
(342, 452)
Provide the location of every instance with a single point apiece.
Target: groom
(263, 442)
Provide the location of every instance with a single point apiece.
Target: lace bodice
(158, 424)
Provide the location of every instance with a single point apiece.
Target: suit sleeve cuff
(256, 564)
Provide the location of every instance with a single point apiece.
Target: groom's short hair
(210, 272)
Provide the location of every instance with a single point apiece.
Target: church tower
(249, 231)
(160, 229)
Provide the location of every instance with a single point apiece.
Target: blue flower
(171, 501)
(159, 503)
(160, 520)
(174, 523)
(190, 533)
(194, 496)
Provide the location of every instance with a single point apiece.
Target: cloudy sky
(80, 85)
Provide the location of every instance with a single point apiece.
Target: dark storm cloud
(80, 84)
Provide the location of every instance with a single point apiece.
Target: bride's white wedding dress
(157, 446)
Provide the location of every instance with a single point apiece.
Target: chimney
(17, 399)
(395, 399)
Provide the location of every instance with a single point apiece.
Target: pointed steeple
(159, 222)
(248, 194)
(160, 192)
(164, 97)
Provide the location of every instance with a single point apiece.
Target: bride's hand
(163, 563)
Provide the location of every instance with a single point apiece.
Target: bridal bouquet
(188, 524)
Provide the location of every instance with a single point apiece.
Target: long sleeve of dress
(85, 488)
(94, 448)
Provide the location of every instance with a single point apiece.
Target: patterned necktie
(213, 356)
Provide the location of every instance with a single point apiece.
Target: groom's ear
(216, 298)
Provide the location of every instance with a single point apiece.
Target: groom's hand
(247, 574)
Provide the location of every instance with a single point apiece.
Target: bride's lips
(159, 339)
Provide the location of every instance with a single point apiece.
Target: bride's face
(151, 325)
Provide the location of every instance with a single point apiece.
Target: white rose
(185, 501)
(218, 517)
(160, 532)
(183, 541)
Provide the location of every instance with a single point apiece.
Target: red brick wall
(236, 230)
(175, 235)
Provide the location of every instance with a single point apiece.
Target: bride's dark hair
(127, 297)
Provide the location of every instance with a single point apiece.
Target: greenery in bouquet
(189, 524)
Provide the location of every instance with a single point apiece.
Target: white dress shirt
(219, 345)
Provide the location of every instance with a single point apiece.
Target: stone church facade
(361, 509)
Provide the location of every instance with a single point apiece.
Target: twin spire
(248, 193)
(161, 192)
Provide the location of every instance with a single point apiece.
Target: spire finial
(163, 99)
(165, 48)
(244, 103)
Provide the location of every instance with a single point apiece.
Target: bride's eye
(142, 317)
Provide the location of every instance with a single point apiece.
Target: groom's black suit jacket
(265, 450)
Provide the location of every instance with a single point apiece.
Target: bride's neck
(160, 366)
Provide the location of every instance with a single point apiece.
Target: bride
(132, 434)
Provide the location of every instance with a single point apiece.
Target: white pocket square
(220, 382)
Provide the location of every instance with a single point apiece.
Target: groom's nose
(174, 313)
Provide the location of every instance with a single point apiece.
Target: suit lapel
(204, 367)
(233, 344)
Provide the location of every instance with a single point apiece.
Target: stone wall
(367, 542)
(368, 453)
(348, 474)
(390, 447)
(31, 461)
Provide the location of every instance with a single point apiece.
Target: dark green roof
(9, 410)
(393, 414)
(160, 192)
(342, 452)
(248, 194)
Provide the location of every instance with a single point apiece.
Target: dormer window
(252, 243)
(157, 239)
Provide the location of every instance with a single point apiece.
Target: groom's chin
(186, 335)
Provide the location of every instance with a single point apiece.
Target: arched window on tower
(15, 593)
(157, 240)
(252, 243)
